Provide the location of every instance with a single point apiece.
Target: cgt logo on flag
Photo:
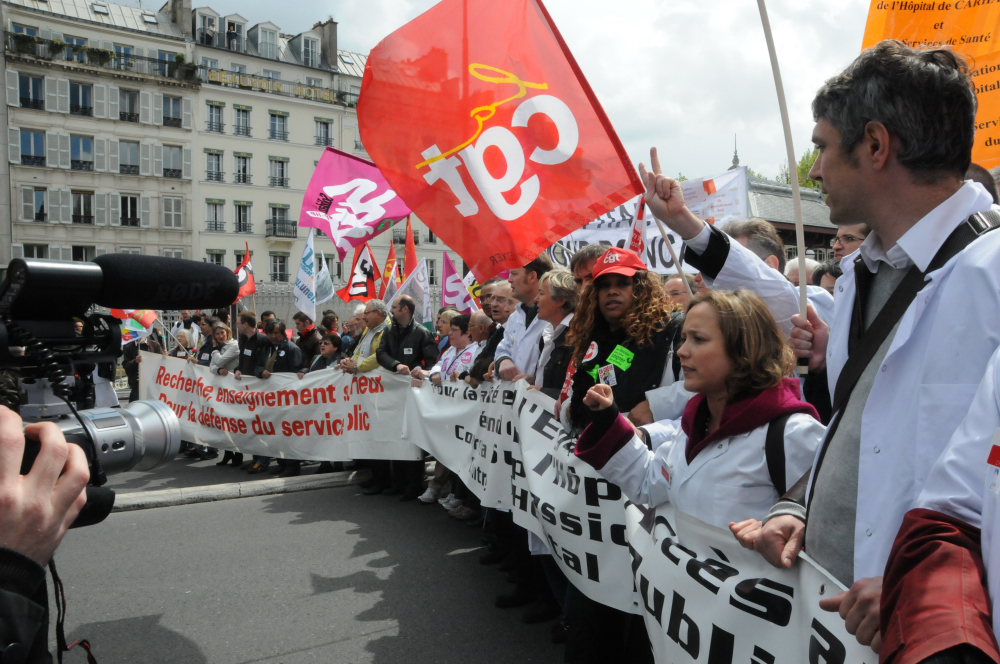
(504, 155)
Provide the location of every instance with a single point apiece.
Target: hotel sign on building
(274, 86)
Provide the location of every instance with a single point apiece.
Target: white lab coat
(728, 480)
(453, 360)
(520, 344)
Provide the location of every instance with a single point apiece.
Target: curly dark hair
(650, 310)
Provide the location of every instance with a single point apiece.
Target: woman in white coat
(716, 468)
(225, 359)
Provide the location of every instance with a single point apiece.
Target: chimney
(328, 38)
(179, 12)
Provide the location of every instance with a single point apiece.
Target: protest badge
(621, 357)
(471, 89)
(606, 375)
(349, 200)
(966, 26)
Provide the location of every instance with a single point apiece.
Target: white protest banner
(707, 599)
(417, 286)
(305, 282)
(718, 199)
(324, 284)
(327, 415)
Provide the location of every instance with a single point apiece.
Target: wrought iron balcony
(124, 116)
(83, 219)
(278, 135)
(32, 160)
(172, 173)
(215, 127)
(278, 182)
(129, 221)
(215, 176)
(215, 226)
(243, 226)
(127, 169)
(241, 130)
(37, 104)
(81, 165)
(171, 122)
(358, 146)
(243, 178)
(77, 109)
(284, 228)
(41, 216)
(279, 276)
(324, 140)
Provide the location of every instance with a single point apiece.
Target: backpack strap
(774, 452)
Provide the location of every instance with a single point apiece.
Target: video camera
(40, 303)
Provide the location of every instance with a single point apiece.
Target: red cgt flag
(364, 274)
(480, 119)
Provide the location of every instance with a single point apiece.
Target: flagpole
(673, 255)
(793, 172)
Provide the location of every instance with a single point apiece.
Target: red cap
(618, 261)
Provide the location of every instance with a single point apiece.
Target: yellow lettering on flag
(967, 26)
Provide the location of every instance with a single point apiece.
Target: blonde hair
(222, 326)
(760, 355)
(561, 287)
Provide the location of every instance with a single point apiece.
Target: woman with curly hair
(620, 335)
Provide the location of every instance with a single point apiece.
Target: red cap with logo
(618, 261)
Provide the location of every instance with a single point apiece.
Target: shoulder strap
(774, 452)
(870, 340)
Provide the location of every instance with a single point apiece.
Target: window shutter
(27, 204)
(100, 154)
(14, 145)
(145, 211)
(67, 206)
(108, 46)
(113, 156)
(100, 101)
(51, 149)
(157, 160)
(64, 153)
(57, 36)
(138, 52)
(145, 167)
(113, 93)
(115, 208)
(186, 166)
(145, 114)
(13, 89)
(45, 33)
(66, 253)
(62, 93)
(186, 113)
(100, 251)
(51, 94)
(17, 251)
(101, 209)
(158, 108)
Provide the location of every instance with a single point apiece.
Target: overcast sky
(684, 75)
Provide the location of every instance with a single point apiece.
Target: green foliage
(755, 174)
(681, 177)
(803, 167)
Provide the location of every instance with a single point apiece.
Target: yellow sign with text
(264, 84)
(967, 26)
(986, 81)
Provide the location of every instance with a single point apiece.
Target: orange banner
(986, 80)
(967, 26)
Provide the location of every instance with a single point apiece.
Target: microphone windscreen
(154, 282)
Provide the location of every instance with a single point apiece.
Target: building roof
(118, 16)
(773, 201)
(356, 66)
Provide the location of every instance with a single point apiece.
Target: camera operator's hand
(36, 509)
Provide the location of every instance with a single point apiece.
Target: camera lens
(140, 436)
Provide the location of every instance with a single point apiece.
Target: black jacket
(412, 345)
(289, 359)
(309, 343)
(24, 609)
(130, 354)
(254, 344)
(204, 357)
(319, 363)
(554, 373)
(486, 355)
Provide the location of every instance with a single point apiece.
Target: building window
(242, 219)
(238, 69)
(431, 238)
(81, 56)
(314, 82)
(271, 74)
(242, 116)
(128, 157)
(128, 105)
(432, 271)
(214, 119)
(207, 30)
(279, 268)
(81, 153)
(123, 57)
(173, 212)
(279, 127)
(173, 253)
(36, 251)
(323, 134)
(32, 148)
(269, 45)
(83, 254)
(25, 30)
(207, 64)
(214, 221)
(310, 53)
(129, 210)
(135, 251)
(213, 168)
(172, 161)
(242, 170)
(32, 92)
(81, 99)
(83, 208)
(215, 258)
(163, 63)
(234, 37)
(279, 173)
(38, 206)
(171, 111)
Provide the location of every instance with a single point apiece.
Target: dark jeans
(408, 476)
(964, 654)
(599, 634)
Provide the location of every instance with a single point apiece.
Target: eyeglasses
(485, 298)
(676, 293)
(845, 239)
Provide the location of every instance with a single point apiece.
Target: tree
(681, 177)
(803, 167)
(751, 173)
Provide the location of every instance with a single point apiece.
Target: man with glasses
(848, 239)
(675, 290)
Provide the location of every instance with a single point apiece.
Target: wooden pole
(793, 173)
(673, 255)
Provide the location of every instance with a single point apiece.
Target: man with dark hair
(848, 239)
(826, 275)
(582, 263)
(251, 343)
(279, 356)
(331, 323)
(486, 295)
(894, 133)
(265, 318)
(518, 353)
(309, 337)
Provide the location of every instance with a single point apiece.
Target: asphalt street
(317, 576)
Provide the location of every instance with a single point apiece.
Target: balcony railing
(41, 216)
(130, 221)
(171, 122)
(285, 228)
(77, 109)
(126, 169)
(243, 226)
(32, 160)
(242, 178)
(324, 140)
(83, 219)
(215, 176)
(81, 165)
(241, 130)
(358, 146)
(37, 104)
(125, 116)
(215, 226)
(172, 173)
(276, 182)
(279, 276)
(277, 135)
(215, 127)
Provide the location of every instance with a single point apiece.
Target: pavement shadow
(425, 565)
(183, 472)
(140, 639)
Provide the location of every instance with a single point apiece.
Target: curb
(144, 500)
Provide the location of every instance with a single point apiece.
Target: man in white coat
(894, 132)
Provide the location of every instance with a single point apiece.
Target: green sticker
(621, 357)
(593, 372)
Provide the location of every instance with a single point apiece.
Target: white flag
(305, 283)
(418, 287)
(324, 284)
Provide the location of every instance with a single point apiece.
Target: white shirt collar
(920, 244)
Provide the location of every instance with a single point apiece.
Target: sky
(686, 76)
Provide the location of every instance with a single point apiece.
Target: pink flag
(453, 291)
(350, 201)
